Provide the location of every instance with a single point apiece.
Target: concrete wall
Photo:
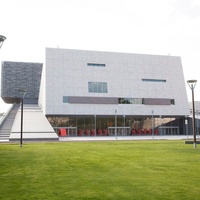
(35, 125)
(67, 74)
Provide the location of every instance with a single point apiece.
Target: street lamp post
(22, 105)
(186, 125)
(95, 124)
(124, 124)
(116, 124)
(192, 84)
(152, 124)
(2, 38)
(197, 112)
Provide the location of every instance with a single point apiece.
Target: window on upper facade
(96, 64)
(130, 100)
(172, 101)
(97, 87)
(146, 101)
(153, 80)
(65, 99)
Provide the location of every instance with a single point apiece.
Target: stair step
(5, 129)
(5, 140)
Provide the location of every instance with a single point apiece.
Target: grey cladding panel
(20, 75)
(154, 101)
(93, 100)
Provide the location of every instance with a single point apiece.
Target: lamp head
(192, 83)
(2, 38)
(23, 91)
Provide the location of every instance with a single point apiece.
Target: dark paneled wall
(20, 75)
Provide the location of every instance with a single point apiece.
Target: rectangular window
(153, 80)
(104, 87)
(146, 101)
(97, 87)
(172, 101)
(65, 99)
(96, 64)
(130, 100)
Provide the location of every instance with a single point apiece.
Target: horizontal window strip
(96, 64)
(130, 100)
(115, 100)
(146, 101)
(153, 80)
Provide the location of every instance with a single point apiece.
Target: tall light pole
(124, 124)
(186, 125)
(192, 84)
(2, 38)
(95, 124)
(152, 124)
(23, 92)
(116, 124)
(197, 112)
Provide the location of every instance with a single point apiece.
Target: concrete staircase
(6, 125)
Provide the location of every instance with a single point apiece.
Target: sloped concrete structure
(16, 76)
(35, 126)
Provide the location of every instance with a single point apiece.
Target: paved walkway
(121, 138)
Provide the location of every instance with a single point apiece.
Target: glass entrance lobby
(116, 125)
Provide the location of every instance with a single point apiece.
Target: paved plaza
(123, 138)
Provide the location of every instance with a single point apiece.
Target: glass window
(172, 101)
(153, 80)
(105, 88)
(97, 87)
(100, 88)
(96, 64)
(65, 99)
(130, 101)
(94, 87)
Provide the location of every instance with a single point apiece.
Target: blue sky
(133, 26)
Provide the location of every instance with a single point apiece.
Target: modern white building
(99, 93)
(94, 88)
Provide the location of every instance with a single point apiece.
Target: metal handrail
(5, 115)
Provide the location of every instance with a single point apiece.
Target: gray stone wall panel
(20, 75)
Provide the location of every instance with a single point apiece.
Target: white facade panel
(35, 125)
(67, 74)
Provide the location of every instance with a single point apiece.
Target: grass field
(100, 170)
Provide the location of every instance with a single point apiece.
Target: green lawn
(100, 170)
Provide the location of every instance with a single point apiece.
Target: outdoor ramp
(36, 127)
